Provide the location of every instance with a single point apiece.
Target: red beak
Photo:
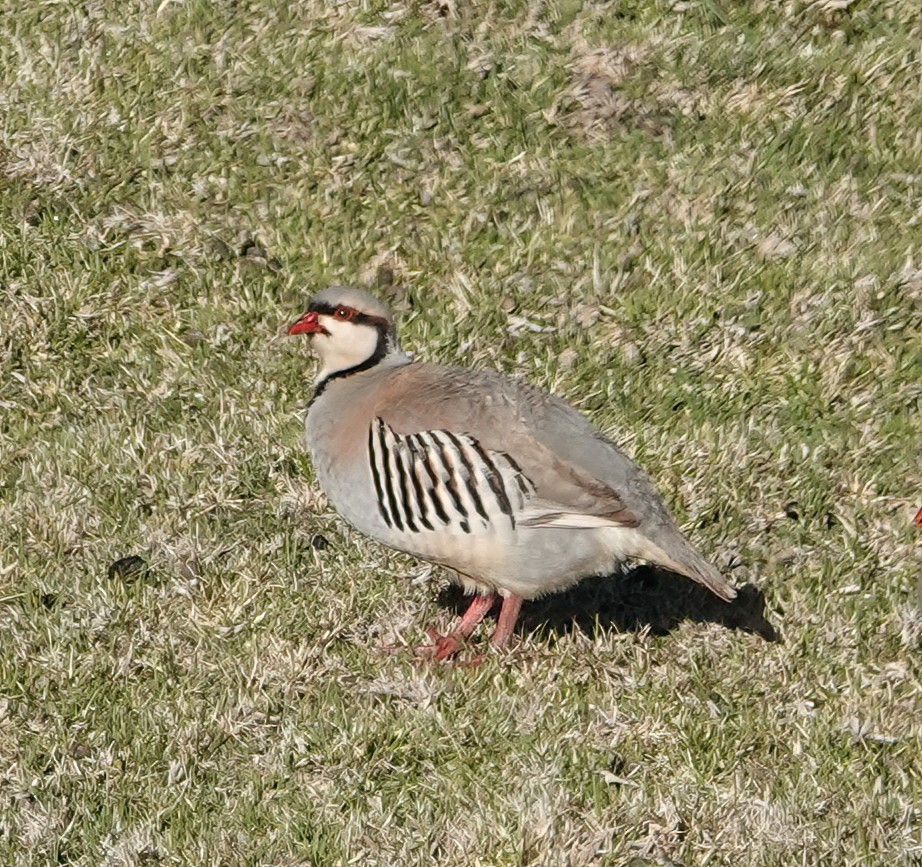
(918, 518)
(309, 323)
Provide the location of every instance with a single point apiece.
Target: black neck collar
(382, 349)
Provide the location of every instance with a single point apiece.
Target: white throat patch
(347, 345)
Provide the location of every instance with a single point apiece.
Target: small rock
(567, 358)
(128, 569)
(193, 337)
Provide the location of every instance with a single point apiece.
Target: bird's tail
(687, 561)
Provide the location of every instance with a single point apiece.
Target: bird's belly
(529, 562)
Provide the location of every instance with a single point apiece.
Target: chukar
(507, 486)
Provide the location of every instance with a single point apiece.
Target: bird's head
(348, 328)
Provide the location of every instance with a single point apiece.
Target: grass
(697, 221)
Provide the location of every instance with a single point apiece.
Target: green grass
(713, 212)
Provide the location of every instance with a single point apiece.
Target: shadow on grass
(642, 597)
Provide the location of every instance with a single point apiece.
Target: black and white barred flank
(433, 479)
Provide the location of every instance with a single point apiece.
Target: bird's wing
(482, 423)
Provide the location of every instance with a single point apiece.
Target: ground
(697, 221)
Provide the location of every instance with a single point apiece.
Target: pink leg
(508, 615)
(446, 645)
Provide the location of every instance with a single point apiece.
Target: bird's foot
(441, 646)
(444, 648)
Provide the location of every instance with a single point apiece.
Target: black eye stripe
(323, 308)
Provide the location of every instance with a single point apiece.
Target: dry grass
(697, 221)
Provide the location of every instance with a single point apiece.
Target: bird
(508, 487)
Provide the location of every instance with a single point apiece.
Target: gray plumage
(504, 484)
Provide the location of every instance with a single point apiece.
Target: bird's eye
(344, 313)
